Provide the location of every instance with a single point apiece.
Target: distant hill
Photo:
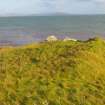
(51, 14)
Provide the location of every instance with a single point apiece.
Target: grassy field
(53, 73)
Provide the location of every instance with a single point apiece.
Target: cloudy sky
(27, 7)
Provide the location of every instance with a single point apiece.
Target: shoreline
(50, 38)
(18, 40)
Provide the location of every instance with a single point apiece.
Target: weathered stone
(51, 38)
(67, 39)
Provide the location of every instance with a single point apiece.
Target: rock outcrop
(51, 38)
(67, 39)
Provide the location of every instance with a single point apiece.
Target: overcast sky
(27, 7)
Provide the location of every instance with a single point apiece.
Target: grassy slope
(56, 73)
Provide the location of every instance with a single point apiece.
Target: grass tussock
(53, 73)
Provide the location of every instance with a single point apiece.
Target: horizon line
(52, 14)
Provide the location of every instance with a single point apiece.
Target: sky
(30, 7)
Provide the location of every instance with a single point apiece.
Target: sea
(28, 29)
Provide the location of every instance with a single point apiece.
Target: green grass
(53, 73)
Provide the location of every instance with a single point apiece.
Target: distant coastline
(49, 14)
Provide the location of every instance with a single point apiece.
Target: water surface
(20, 30)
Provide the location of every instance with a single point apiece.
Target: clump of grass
(53, 73)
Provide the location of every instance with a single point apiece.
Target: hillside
(53, 73)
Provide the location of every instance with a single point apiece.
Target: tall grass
(53, 73)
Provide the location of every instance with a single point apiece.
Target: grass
(53, 73)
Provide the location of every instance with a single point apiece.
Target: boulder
(51, 38)
(67, 39)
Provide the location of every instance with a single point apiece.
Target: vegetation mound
(53, 73)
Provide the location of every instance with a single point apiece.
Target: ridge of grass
(53, 73)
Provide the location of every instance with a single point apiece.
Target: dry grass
(53, 73)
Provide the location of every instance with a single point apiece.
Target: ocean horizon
(28, 29)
